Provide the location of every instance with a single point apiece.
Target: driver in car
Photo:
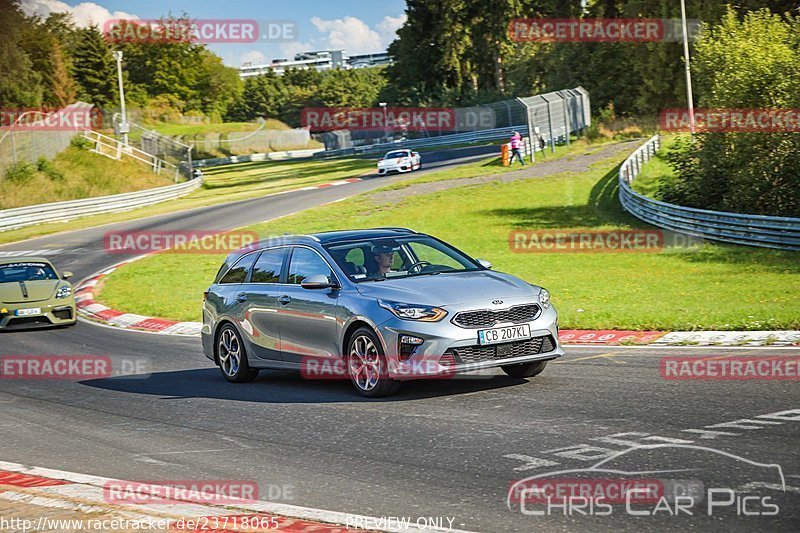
(384, 258)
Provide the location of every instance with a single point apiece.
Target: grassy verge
(657, 171)
(707, 287)
(225, 127)
(493, 165)
(227, 184)
(75, 173)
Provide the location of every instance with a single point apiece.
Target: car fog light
(408, 345)
(408, 339)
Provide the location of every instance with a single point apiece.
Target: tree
(218, 86)
(44, 43)
(23, 88)
(739, 64)
(93, 68)
(262, 97)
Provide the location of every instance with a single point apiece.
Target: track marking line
(602, 355)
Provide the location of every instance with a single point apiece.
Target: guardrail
(64, 211)
(752, 230)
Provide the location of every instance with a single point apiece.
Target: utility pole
(124, 128)
(385, 126)
(689, 100)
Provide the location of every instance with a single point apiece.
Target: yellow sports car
(32, 294)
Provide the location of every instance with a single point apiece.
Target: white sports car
(399, 161)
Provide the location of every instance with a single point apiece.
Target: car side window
(268, 266)
(306, 263)
(238, 273)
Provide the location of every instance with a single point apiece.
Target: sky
(357, 26)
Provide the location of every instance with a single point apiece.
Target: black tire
(525, 370)
(232, 356)
(367, 366)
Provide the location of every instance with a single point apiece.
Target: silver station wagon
(377, 307)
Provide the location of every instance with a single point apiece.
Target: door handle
(283, 300)
(241, 297)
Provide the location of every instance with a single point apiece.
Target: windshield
(393, 155)
(27, 271)
(389, 258)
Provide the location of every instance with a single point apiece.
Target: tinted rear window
(238, 273)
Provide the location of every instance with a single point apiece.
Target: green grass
(226, 184)
(225, 127)
(707, 287)
(657, 171)
(275, 174)
(493, 165)
(77, 173)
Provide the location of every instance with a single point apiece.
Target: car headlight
(544, 298)
(64, 291)
(423, 313)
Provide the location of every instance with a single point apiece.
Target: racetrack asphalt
(446, 448)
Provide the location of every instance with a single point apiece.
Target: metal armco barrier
(269, 156)
(752, 230)
(64, 211)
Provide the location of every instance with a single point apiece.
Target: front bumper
(458, 348)
(52, 314)
(385, 168)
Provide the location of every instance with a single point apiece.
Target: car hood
(15, 291)
(449, 288)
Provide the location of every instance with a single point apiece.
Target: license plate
(504, 334)
(28, 312)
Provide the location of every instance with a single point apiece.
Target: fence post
(550, 126)
(13, 146)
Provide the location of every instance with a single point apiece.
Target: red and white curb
(93, 310)
(86, 493)
(89, 308)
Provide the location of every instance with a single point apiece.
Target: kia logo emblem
(497, 302)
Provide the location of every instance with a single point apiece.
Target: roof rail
(397, 228)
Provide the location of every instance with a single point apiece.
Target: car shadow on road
(288, 387)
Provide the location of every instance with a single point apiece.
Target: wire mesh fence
(154, 143)
(261, 140)
(550, 116)
(37, 133)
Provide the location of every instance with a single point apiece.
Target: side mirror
(66, 274)
(318, 282)
(484, 263)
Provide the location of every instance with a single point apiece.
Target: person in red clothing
(516, 146)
